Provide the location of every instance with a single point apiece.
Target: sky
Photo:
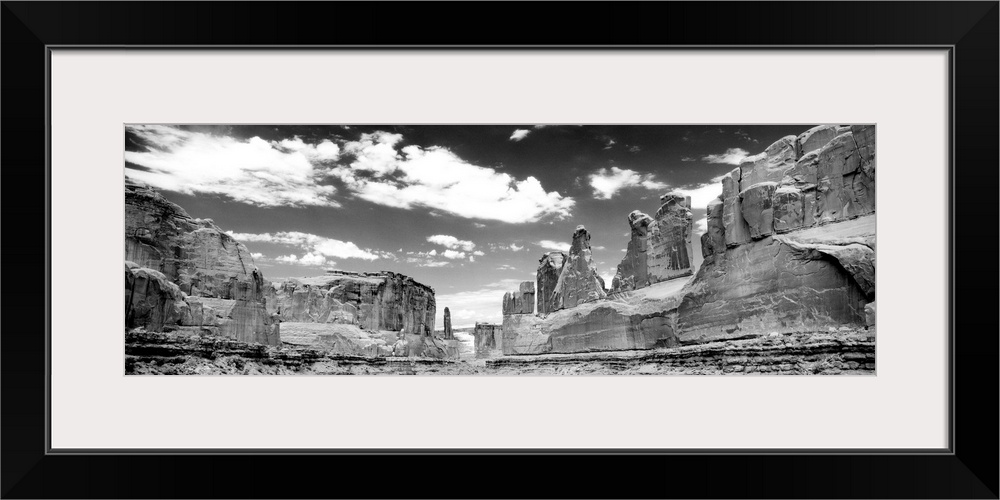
(465, 209)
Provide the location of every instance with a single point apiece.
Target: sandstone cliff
(789, 249)
(660, 246)
(373, 301)
(488, 340)
(793, 248)
(177, 263)
(550, 266)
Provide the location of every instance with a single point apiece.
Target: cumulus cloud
(252, 171)
(702, 194)
(438, 179)
(519, 134)
(313, 245)
(732, 156)
(453, 254)
(607, 182)
(451, 242)
(688, 158)
(553, 245)
(309, 259)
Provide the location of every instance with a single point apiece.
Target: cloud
(309, 259)
(507, 267)
(553, 245)
(478, 253)
(732, 156)
(519, 134)
(597, 248)
(688, 158)
(451, 242)
(701, 225)
(540, 126)
(257, 256)
(438, 179)
(313, 244)
(634, 149)
(453, 254)
(515, 248)
(609, 142)
(252, 171)
(702, 194)
(607, 182)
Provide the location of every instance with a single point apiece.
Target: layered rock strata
(578, 282)
(660, 246)
(166, 246)
(550, 266)
(488, 339)
(521, 301)
(789, 248)
(798, 237)
(373, 301)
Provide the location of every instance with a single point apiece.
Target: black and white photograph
(540, 249)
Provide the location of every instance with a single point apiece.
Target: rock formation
(800, 238)
(373, 301)
(488, 340)
(789, 249)
(660, 246)
(578, 282)
(521, 301)
(448, 335)
(166, 246)
(549, 268)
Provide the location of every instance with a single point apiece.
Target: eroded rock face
(736, 228)
(660, 246)
(547, 278)
(579, 282)
(756, 208)
(814, 138)
(633, 271)
(768, 286)
(151, 301)
(373, 301)
(488, 340)
(769, 166)
(448, 335)
(194, 254)
(638, 322)
(521, 301)
(202, 262)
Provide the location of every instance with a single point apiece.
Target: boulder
(374, 301)
(814, 138)
(756, 209)
(547, 277)
(579, 282)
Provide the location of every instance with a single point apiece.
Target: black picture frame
(968, 469)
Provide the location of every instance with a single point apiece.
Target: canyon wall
(175, 263)
(373, 301)
(793, 247)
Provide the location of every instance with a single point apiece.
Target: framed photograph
(648, 257)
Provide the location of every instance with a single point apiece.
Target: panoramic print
(499, 249)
